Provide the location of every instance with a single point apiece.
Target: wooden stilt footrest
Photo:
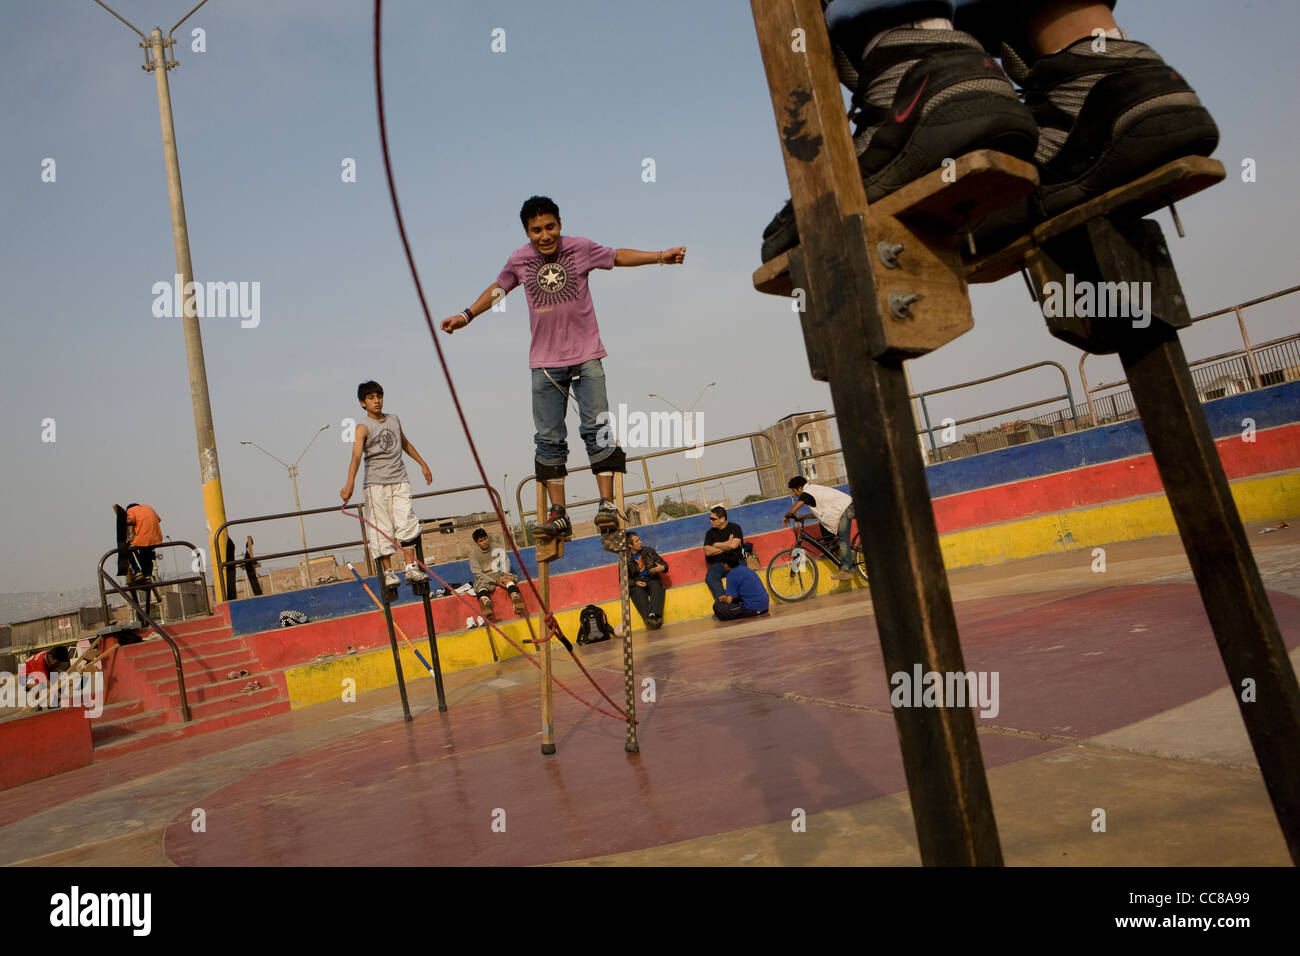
(944, 202)
(1147, 194)
(548, 548)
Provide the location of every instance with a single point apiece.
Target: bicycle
(792, 574)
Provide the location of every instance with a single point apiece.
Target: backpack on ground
(593, 626)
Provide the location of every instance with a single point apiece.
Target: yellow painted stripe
(1258, 499)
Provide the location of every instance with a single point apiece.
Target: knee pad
(547, 472)
(615, 461)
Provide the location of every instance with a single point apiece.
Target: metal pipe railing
(199, 576)
(221, 564)
(925, 411)
(1248, 349)
(650, 487)
(146, 619)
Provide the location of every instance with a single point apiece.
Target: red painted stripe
(1275, 449)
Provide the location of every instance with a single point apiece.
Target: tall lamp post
(293, 477)
(688, 424)
(155, 60)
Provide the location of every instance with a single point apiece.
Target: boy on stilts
(566, 350)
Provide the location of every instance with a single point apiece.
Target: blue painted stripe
(1269, 407)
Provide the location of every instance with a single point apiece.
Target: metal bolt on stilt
(900, 303)
(889, 253)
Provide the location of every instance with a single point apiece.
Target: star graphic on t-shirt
(552, 277)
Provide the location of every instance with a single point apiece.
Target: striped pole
(629, 679)
(544, 651)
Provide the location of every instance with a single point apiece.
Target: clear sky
(584, 92)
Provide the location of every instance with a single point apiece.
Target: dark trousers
(733, 612)
(142, 560)
(649, 599)
(713, 576)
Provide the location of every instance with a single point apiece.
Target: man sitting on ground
(491, 567)
(745, 596)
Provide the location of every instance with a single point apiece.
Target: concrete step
(159, 654)
(200, 709)
(166, 694)
(166, 733)
(102, 733)
(119, 710)
(209, 670)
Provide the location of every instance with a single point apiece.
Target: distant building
(802, 441)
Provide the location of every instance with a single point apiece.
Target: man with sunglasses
(723, 538)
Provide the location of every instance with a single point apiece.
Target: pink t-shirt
(560, 312)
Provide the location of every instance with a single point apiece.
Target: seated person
(723, 537)
(745, 595)
(833, 510)
(491, 567)
(646, 590)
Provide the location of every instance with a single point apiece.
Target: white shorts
(389, 507)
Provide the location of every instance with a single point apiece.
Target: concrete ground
(769, 742)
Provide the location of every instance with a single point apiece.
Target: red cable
(446, 371)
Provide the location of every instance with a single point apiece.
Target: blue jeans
(713, 578)
(853, 23)
(844, 532)
(551, 402)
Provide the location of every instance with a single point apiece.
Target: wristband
(469, 316)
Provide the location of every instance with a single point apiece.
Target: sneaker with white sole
(391, 580)
(557, 524)
(1108, 113)
(607, 516)
(415, 574)
(923, 96)
(485, 603)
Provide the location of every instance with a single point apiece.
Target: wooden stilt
(629, 676)
(544, 648)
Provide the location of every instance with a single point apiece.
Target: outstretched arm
(634, 257)
(481, 305)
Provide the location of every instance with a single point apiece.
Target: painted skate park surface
(1110, 694)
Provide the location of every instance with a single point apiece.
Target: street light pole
(214, 505)
(688, 428)
(297, 504)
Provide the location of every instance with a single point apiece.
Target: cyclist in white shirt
(833, 509)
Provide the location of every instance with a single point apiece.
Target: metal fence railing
(225, 569)
(649, 489)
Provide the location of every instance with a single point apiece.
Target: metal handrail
(145, 618)
(928, 430)
(200, 577)
(650, 487)
(221, 564)
(1249, 350)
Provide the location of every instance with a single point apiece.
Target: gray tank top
(384, 465)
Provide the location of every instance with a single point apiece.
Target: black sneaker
(607, 516)
(924, 96)
(1105, 119)
(557, 524)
